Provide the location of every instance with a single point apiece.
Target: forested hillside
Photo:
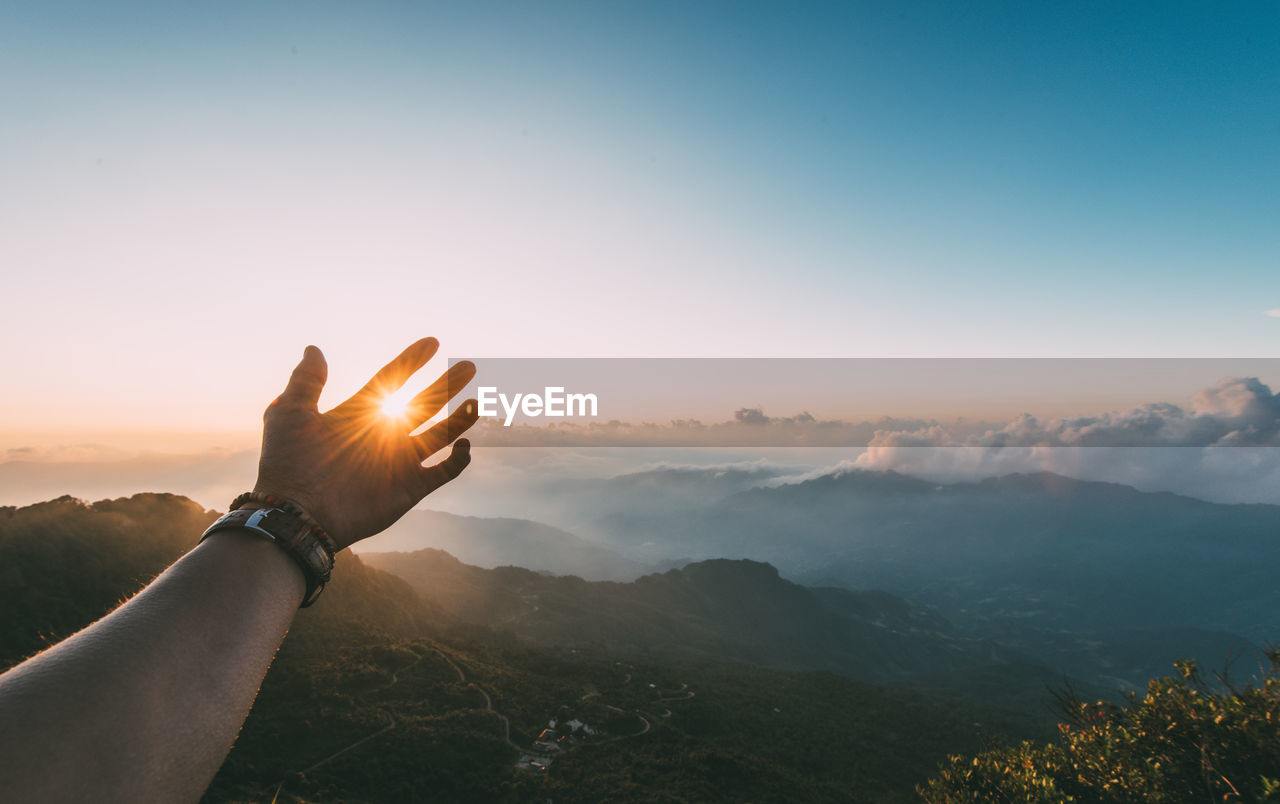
(741, 610)
(380, 695)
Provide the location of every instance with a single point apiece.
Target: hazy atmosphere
(863, 389)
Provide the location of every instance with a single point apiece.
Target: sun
(395, 406)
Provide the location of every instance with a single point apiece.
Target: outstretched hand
(355, 469)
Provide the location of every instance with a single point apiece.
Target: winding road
(392, 722)
(488, 707)
(395, 677)
(488, 702)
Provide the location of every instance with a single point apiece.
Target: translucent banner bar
(860, 402)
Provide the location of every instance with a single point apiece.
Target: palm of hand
(354, 469)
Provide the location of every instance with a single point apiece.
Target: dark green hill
(729, 609)
(64, 563)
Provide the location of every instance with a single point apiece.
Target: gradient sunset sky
(189, 194)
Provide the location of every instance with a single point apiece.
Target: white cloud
(1220, 447)
(842, 467)
(1238, 412)
(1274, 312)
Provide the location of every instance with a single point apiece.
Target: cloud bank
(1219, 445)
(1240, 412)
(1237, 412)
(1155, 447)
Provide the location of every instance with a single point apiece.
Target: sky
(191, 194)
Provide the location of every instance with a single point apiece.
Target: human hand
(355, 469)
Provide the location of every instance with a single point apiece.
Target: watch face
(282, 526)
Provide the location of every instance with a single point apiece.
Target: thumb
(307, 380)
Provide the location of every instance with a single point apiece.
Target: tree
(1184, 741)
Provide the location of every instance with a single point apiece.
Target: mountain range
(503, 541)
(383, 693)
(1038, 550)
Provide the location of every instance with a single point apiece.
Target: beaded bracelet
(289, 506)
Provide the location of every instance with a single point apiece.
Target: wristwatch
(290, 533)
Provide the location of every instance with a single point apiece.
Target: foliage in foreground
(1184, 741)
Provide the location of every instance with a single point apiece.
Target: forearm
(144, 704)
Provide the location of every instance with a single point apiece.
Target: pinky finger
(436, 475)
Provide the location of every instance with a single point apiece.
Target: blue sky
(197, 192)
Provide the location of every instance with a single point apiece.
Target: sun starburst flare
(395, 406)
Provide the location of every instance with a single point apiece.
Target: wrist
(255, 561)
(271, 519)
